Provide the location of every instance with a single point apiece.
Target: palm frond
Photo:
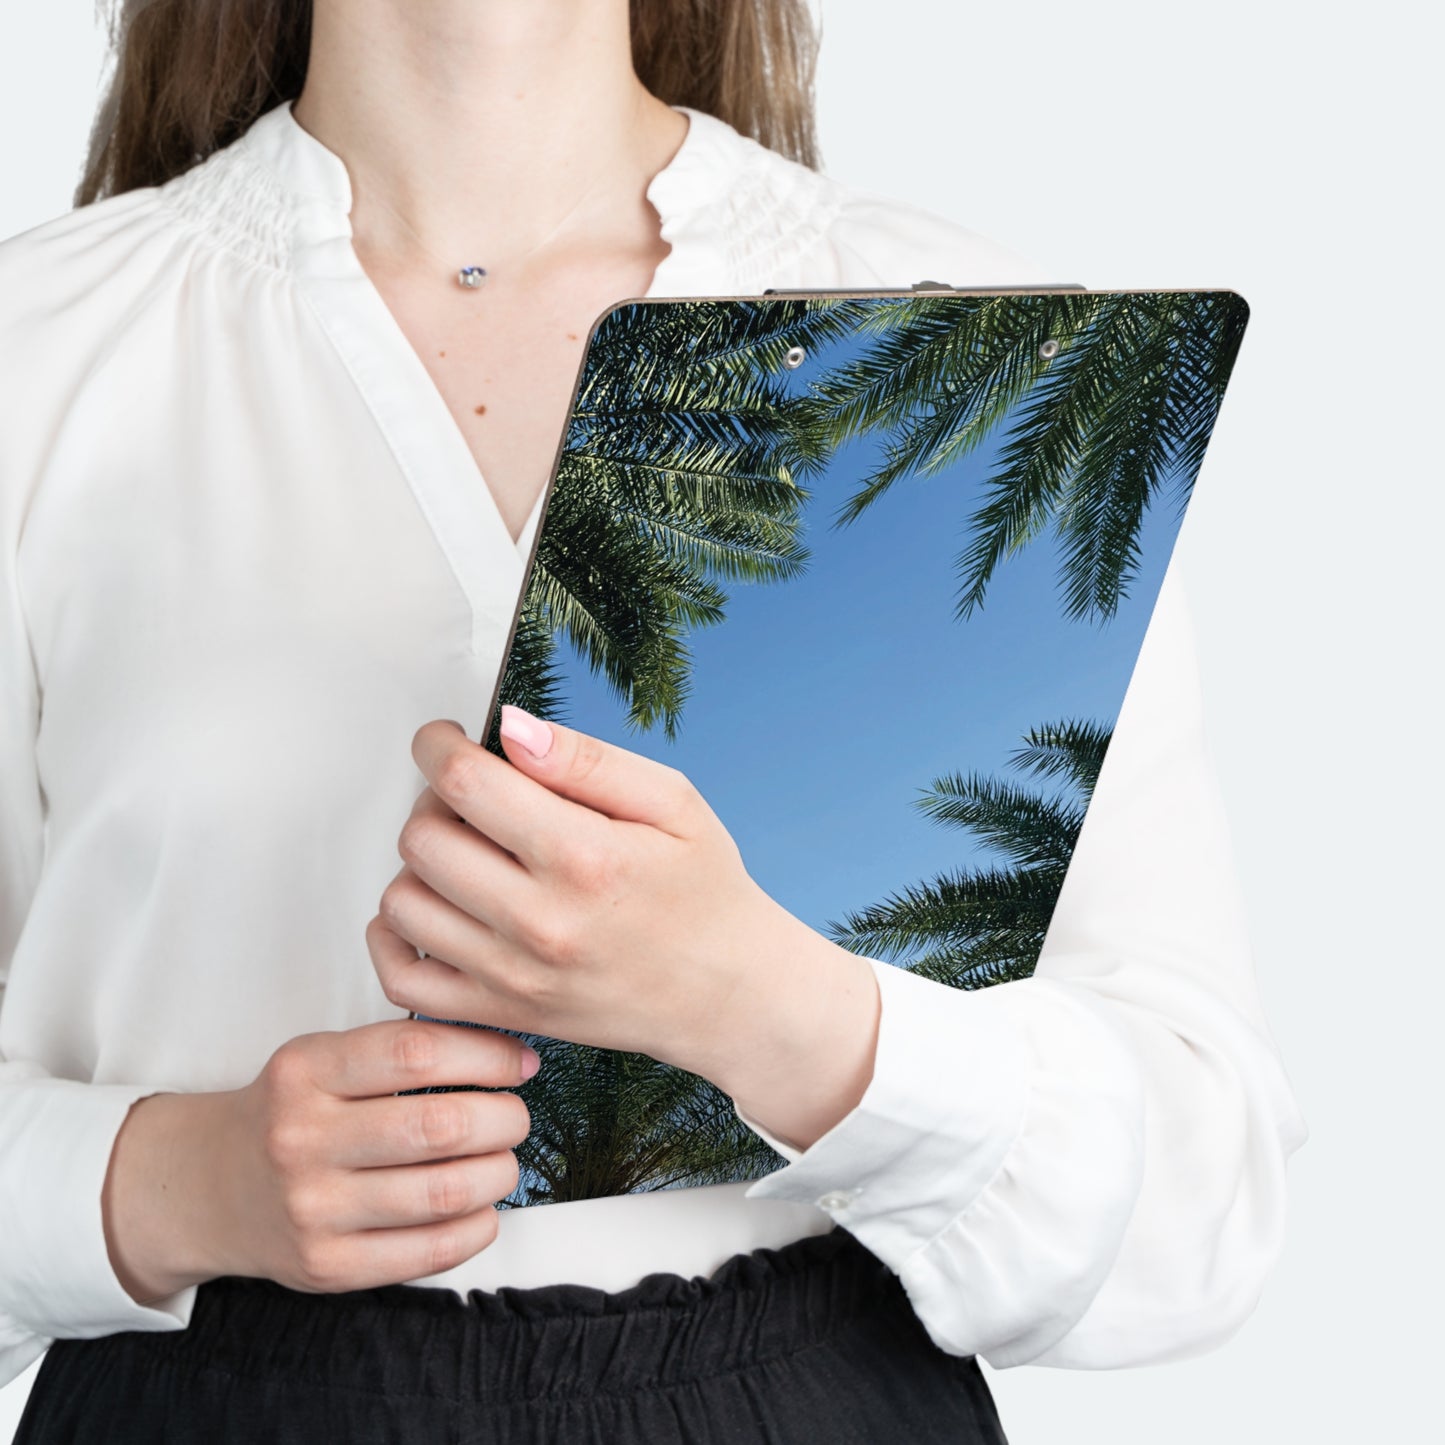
(609, 1121)
(973, 927)
(1025, 827)
(1073, 749)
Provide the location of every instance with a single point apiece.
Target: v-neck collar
(410, 410)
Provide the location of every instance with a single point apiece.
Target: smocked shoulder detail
(732, 206)
(775, 218)
(237, 203)
(735, 213)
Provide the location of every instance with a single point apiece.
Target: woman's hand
(316, 1175)
(584, 892)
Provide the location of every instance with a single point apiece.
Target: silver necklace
(470, 278)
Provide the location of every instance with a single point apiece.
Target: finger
(383, 1256)
(514, 812)
(431, 813)
(425, 1128)
(428, 808)
(608, 779)
(467, 869)
(433, 986)
(428, 804)
(393, 1196)
(377, 1060)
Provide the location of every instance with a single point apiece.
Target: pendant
(471, 277)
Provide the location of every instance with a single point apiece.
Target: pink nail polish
(522, 727)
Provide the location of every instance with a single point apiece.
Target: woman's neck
(471, 128)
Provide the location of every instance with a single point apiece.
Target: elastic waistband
(516, 1344)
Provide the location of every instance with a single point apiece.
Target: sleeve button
(836, 1199)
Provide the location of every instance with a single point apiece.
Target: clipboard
(824, 510)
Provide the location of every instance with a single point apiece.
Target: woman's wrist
(155, 1202)
(803, 1056)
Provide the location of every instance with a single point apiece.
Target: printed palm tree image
(970, 928)
(682, 469)
(828, 518)
(610, 1122)
(1107, 399)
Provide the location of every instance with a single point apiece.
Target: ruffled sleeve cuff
(945, 1104)
(992, 1162)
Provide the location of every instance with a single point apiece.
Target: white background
(1285, 151)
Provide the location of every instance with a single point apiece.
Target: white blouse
(245, 552)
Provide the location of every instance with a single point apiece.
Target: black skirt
(812, 1342)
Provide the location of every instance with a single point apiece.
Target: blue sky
(821, 706)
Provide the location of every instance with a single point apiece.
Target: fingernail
(522, 727)
(531, 1061)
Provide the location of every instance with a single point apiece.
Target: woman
(267, 481)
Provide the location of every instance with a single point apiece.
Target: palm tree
(681, 469)
(685, 452)
(610, 1121)
(970, 929)
(613, 1121)
(1096, 428)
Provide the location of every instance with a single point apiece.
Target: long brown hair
(191, 75)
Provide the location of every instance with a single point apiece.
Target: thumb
(613, 781)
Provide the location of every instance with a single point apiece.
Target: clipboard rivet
(796, 356)
(1049, 349)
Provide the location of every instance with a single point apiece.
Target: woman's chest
(504, 358)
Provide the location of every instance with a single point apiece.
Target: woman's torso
(251, 551)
